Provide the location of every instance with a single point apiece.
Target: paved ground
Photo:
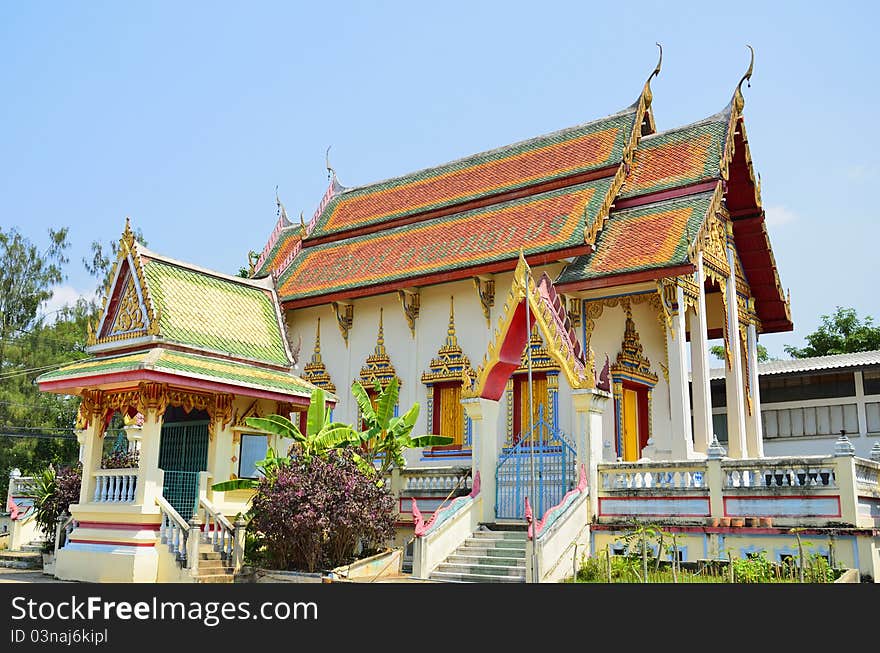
(9, 575)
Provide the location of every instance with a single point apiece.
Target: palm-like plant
(386, 437)
(321, 436)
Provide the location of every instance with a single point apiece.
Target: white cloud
(62, 296)
(779, 215)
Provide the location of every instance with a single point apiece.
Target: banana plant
(386, 437)
(321, 436)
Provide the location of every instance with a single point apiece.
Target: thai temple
(548, 304)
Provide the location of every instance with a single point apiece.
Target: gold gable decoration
(631, 361)
(135, 315)
(579, 374)
(450, 364)
(315, 371)
(542, 361)
(378, 369)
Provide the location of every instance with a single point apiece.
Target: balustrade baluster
(97, 496)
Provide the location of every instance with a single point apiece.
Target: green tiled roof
(209, 312)
(188, 366)
(647, 237)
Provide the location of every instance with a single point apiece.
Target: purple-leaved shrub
(320, 512)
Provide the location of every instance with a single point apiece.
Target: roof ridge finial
(656, 70)
(331, 173)
(279, 205)
(748, 76)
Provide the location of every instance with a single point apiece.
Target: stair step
(480, 570)
(501, 535)
(215, 578)
(498, 561)
(474, 578)
(21, 560)
(496, 544)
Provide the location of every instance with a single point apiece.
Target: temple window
(254, 447)
(444, 380)
(633, 384)
(545, 393)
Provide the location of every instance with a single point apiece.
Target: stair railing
(63, 529)
(217, 531)
(174, 532)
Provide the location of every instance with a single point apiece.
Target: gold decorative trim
(378, 368)
(573, 306)
(344, 318)
(410, 300)
(315, 372)
(129, 252)
(523, 288)
(542, 361)
(594, 308)
(631, 361)
(485, 287)
(450, 364)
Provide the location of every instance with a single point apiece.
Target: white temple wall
(410, 355)
(606, 338)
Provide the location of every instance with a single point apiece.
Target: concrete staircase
(212, 567)
(29, 557)
(488, 556)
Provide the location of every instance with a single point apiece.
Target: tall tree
(840, 333)
(718, 352)
(30, 346)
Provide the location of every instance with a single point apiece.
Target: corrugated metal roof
(817, 363)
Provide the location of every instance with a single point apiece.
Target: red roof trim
(625, 278)
(667, 194)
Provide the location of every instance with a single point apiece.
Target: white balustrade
(115, 485)
(802, 473)
(434, 479)
(653, 477)
(868, 473)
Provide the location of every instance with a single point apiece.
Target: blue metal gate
(555, 471)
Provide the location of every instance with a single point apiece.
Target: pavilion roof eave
(131, 377)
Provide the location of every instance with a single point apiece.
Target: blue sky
(185, 116)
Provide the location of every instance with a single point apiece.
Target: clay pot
(766, 522)
(737, 521)
(753, 522)
(713, 521)
(725, 521)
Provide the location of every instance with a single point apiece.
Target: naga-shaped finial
(748, 76)
(656, 70)
(331, 173)
(281, 211)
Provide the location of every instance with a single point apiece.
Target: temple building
(549, 299)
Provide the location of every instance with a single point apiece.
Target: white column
(681, 442)
(700, 367)
(754, 428)
(484, 418)
(90, 455)
(589, 407)
(150, 477)
(736, 410)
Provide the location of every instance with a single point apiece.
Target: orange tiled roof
(579, 149)
(546, 222)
